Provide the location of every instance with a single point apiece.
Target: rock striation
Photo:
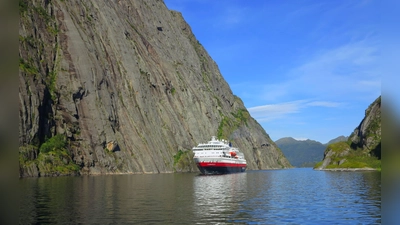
(362, 150)
(121, 87)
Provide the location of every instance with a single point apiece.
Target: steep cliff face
(368, 134)
(363, 147)
(122, 87)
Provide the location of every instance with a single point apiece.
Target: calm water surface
(293, 196)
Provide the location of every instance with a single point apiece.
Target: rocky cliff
(363, 147)
(122, 87)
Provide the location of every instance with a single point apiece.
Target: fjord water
(292, 196)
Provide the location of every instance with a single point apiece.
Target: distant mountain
(301, 153)
(338, 139)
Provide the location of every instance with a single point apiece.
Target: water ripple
(295, 196)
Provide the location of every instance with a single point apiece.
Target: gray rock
(341, 161)
(103, 71)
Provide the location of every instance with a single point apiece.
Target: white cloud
(323, 104)
(345, 71)
(353, 58)
(271, 112)
(301, 139)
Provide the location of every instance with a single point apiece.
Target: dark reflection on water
(295, 196)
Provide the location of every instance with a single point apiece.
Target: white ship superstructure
(218, 156)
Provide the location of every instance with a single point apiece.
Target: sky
(304, 69)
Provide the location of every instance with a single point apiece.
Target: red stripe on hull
(220, 164)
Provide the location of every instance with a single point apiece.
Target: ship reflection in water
(216, 197)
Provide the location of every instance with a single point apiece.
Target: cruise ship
(218, 157)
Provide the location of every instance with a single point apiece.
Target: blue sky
(304, 69)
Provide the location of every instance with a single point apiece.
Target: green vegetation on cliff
(52, 158)
(342, 156)
(183, 161)
(230, 123)
(363, 147)
(335, 140)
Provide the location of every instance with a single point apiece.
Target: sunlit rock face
(363, 147)
(368, 134)
(122, 86)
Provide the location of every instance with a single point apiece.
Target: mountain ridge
(123, 87)
(335, 140)
(303, 153)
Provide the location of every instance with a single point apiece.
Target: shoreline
(348, 169)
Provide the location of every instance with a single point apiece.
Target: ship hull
(220, 167)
